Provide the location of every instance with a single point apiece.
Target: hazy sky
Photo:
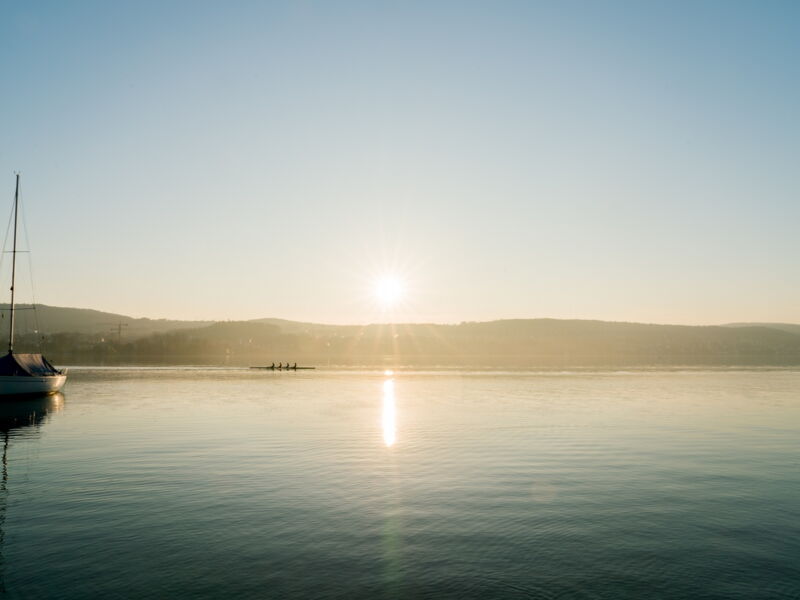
(232, 160)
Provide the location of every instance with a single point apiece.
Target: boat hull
(21, 385)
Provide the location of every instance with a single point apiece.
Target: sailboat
(22, 374)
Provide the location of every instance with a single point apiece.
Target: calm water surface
(190, 484)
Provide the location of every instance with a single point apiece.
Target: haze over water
(361, 484)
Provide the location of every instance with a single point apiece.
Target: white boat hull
(19, 385)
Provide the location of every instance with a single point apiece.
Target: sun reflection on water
(389, 414)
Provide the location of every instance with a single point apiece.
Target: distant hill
(84, 336)
(55, 319)
(790, 327)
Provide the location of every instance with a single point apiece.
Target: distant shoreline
(79, 336)
(398, 369)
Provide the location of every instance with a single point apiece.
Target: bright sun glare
(389, 290)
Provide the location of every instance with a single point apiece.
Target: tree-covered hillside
(513, 343)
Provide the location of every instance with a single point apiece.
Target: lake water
(181, 483)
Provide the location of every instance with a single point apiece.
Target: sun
(389, 290)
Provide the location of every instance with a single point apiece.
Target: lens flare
(389, 290)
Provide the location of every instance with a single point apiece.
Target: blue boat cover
(32, 365)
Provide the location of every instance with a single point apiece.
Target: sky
(628, 161)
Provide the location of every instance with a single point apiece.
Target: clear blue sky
(609, 160)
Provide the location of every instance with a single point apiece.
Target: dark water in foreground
(191, 484)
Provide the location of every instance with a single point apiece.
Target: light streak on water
(389, 414)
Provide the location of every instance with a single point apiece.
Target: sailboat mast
(13, 270)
